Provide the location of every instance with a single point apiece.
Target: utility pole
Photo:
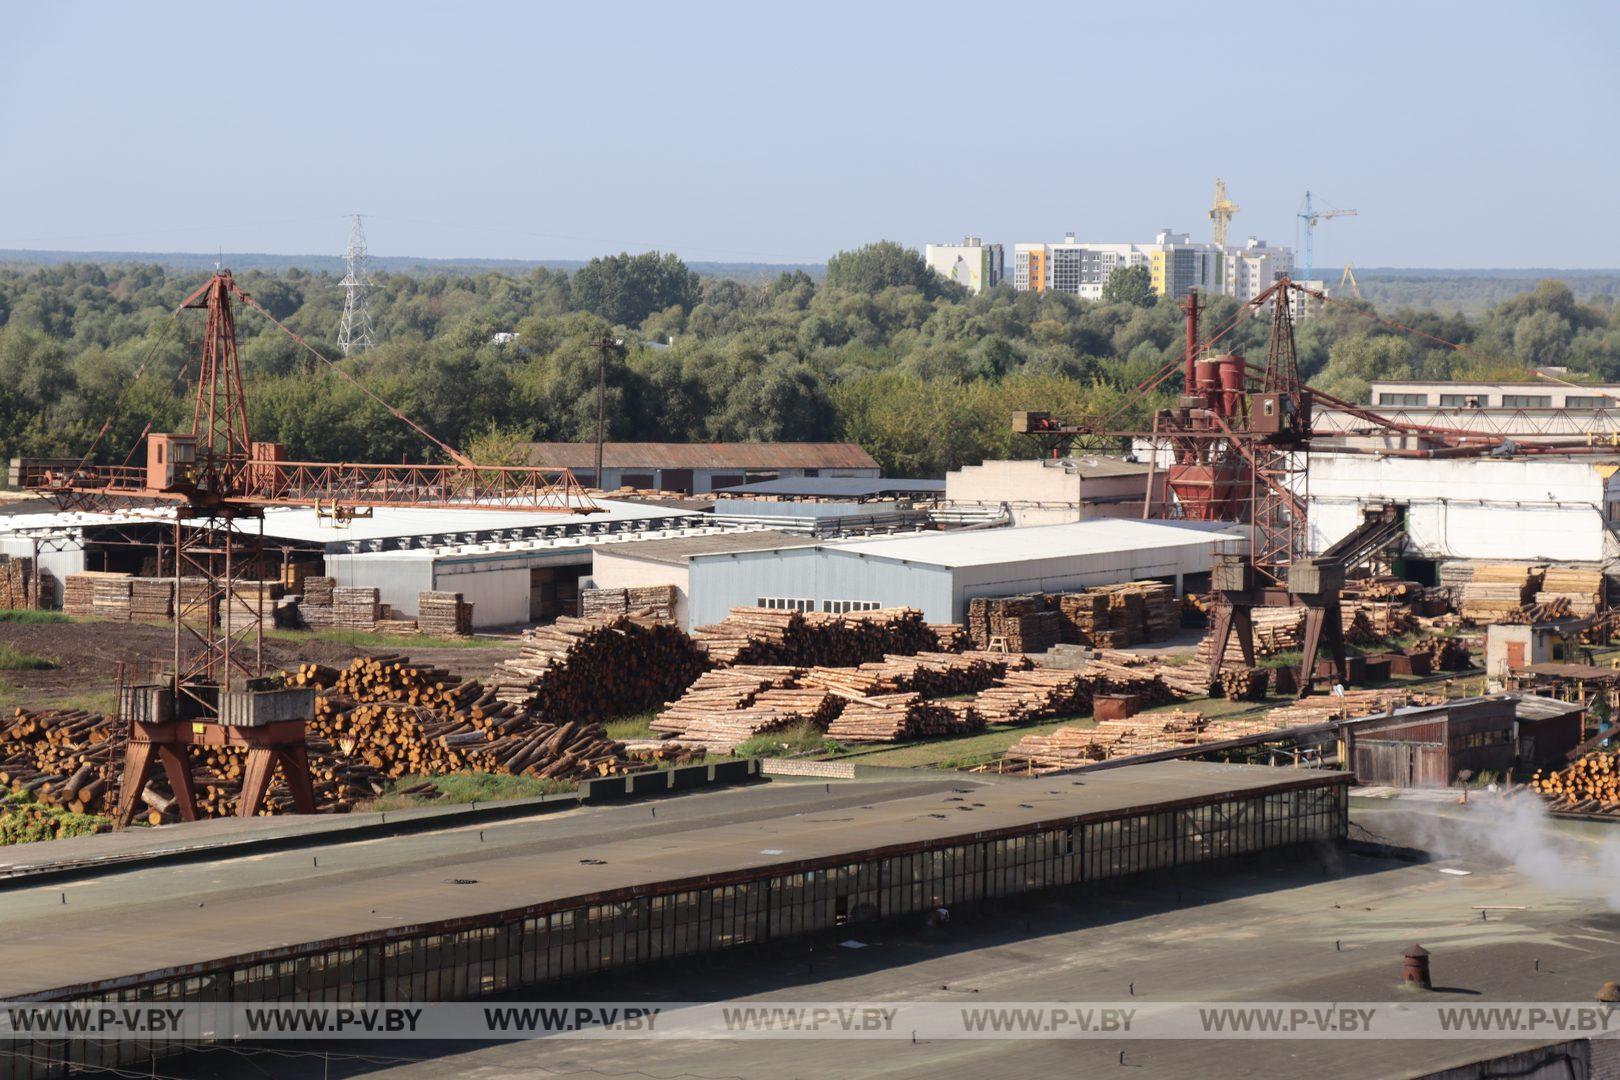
(605, 343)
(354, 331)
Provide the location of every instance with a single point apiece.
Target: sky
(1475, 134)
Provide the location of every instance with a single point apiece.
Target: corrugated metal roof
(659, 455)
(839, 487)
(1040, 542)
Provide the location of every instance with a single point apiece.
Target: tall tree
(624, 289)
(1129, 285)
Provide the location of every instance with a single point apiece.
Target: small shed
(1517, 645)
(1428, 746)
(1548, 729)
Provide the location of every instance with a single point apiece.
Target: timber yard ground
(1330, 927)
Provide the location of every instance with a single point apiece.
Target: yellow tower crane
(1222, 212)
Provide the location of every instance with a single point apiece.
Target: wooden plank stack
(657, 599)
(355, 607)
(1496, 589)
(443, 614)
(151, 600)
(16, 581)
(1588, 785)
(1580, 589)
(81, 591)
(1026, 624)
(315, 608)
(598, 669)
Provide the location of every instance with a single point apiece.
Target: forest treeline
(881, 352)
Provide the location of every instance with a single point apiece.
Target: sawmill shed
(1430, 746)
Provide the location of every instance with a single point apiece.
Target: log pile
(892, 717)
(766, 636)
(400, 719)
(930, 674)
(16, 581)
(1038, 694)
(1182, 680)
(952, 637)
(722, 690)
(1245, 684)
(1497, 589)
(443, 614)
(1354, 703)
(598, 669)
(1448, 653)
(1068, 747)
(1588, 785)
(1276, 630)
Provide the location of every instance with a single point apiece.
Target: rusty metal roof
(663, 455)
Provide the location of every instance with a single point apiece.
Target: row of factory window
(1508, 401)
(836, 607)
(532, 950)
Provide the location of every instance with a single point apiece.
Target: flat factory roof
(158, 919)
(678, 551)
(1038, 543)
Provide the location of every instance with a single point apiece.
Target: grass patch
(633, 727)
(488, 787)
(30, 616)
(14, 659)
(23, 821)
(789, 742)
(365, 639)
(96, 701)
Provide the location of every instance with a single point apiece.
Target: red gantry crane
(219, 482)
(1235, 447)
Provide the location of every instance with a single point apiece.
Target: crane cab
(171, 461)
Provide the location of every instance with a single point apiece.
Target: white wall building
(1556, 509)
(1175, 263)
(973, 264)
(1053, 492)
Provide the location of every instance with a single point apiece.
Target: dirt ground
(86, 654)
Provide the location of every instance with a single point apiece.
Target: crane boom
(1310, 215)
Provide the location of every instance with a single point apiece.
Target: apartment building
(1176, 265)
(973, 264)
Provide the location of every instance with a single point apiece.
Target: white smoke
(1571, 858)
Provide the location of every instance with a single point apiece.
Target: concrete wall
(612, 570)
(1525, 509)
(720, 582)
(397, 577)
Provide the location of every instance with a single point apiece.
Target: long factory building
(448, 915)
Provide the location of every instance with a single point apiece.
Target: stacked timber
(952, 637)
(1244, 684)
(1579, 589)
(1037, 694)
(401, 719)
(1144, 682)
(930, 674)
(1069, 747)
(657, 599)
(16, 581)
(97, 594)
(1182, 679)
(598, 669)
(1498, 589)
(1588, 785)
(767, 636)
(722, 690)
(443, 614)
(1023, 624)
(1276, 630)
(892, 717)
(1448, 653)
(1375, 619)
(1084, 618)
(1354, 703)
(151, 600)
(315, 608)
(355, 607)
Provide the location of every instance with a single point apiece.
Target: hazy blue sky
(1467, 134)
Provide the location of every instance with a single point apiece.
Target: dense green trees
(885, 353)
(1129, 285)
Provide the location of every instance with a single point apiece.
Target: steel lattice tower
(354, 331)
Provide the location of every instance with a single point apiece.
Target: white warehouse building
(940, 572)
(1541, 508)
